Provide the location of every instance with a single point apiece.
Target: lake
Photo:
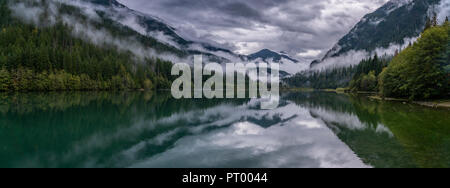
(139, 129)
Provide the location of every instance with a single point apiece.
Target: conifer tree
(434, 22)
(428, 24)
(4, 13)
(5, 79)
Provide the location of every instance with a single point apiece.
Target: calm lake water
(139, 129)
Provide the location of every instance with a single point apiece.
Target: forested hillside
(50, 58)
(394, 23)
(326, 79)
(422, 71)
(419, 72)
(341, 77)
(366, 74)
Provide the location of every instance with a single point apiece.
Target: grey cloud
(242, 10)
(293, 26)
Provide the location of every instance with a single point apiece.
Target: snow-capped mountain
(146, 36)
(151, 26)
(266, 54)
(154, 27)
(391, 27)
(288, 66)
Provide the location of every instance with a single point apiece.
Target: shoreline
(439, 103)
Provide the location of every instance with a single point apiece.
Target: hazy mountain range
(384, 31)
(391, 27)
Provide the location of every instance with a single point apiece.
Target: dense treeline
(421, 71)
(366, 74)
(358, 76)
(50, 58)
(326, 79)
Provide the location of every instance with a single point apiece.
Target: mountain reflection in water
(138, 129)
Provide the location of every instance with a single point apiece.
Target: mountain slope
(108, 21)
(52, 58)
(288, 66)
(397, 23)
(146, 36)
(266, 54)
(419, 71)
(154, 27)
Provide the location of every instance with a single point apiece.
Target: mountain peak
(267, 50)
(266, 54)
(106, 2)
(393, 24)
(288, 65)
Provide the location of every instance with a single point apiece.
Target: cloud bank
(31, 13)
(301, 28)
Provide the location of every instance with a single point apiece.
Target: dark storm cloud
(239, 9)
(303, 28)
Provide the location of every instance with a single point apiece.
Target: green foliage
(367, 73)
(5, 80)
(445, 58)
(419, 71)
(366, 82)
(428, 24)
(148, 84)
(5, 13)
(50, 58)
(340, 77)
(326, 79)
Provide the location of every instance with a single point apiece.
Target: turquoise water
(138, 129)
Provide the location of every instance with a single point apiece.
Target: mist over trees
(326, 79)
(50, 58)
(366, 74)
(422, 71)
(419, 72)
(355, 76)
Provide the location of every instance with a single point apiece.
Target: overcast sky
(302, 28)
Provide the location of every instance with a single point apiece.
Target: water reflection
(138, 129)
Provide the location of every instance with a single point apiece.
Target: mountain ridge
(288, 66)
(152, 26)
(266, 54)
(150, 23)
(394, 23)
